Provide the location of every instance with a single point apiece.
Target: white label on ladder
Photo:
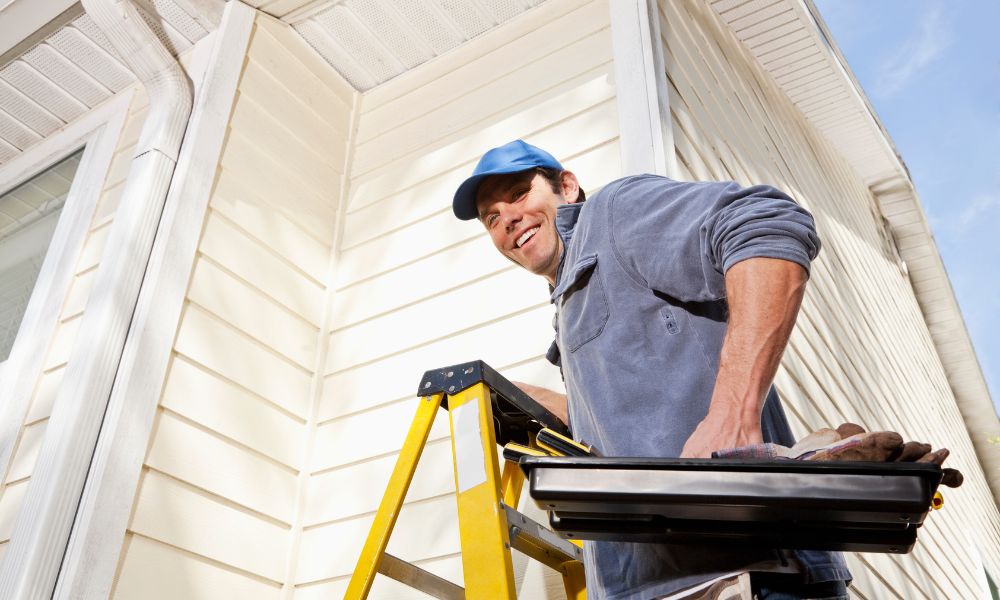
(470, 462)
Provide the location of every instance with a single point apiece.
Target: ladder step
(418, 578)
(540, 542)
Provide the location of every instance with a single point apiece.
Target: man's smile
(527, 235)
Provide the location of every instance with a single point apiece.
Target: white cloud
(977, 209)
(932, 38)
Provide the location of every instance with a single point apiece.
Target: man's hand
(551, 400)
(720, 430)
(764, 295)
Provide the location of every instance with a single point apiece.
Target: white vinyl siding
(861, 350)
(218, 498)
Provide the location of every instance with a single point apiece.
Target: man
(674, 302)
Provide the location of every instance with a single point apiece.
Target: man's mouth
(527, 235)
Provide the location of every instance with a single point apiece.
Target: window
(28, 217)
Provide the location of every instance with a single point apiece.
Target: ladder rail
(388, 511)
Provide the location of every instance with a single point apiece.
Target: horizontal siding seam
(178, 355)
(216, 498)
(250, 338)
(98, 225)
(437, 292)
(268, 202)
(374, 457)
(413, 396)
(291, 94)
(271, 299)
(265, 246)
(307, 68)
(371, 513)
(439, 338)
(327, 580)
(282, 124)
(290, 469)
(290, 173)
(211, 561)
(410, 262)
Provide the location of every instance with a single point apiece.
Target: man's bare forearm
(552, 400)
(764, 296)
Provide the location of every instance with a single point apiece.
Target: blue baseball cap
(512, 157)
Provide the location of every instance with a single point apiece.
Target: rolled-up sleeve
(680, 238)
(759, 221)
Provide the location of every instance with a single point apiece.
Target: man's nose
(509, 216)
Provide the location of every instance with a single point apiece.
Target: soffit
(791, 43)
(796, 50)
(371, 41)
(73, 68)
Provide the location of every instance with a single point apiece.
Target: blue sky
(931, 69)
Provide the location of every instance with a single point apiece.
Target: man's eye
(490, 220)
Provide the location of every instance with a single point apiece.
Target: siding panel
(861, 350)
(217, 511)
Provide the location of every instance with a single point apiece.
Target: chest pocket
(583, 308)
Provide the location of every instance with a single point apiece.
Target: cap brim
(464, 203)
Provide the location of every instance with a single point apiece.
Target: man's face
(519, 212)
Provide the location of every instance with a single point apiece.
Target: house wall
(415, 289)
(861, 351)
(331, 274)
(217, 501)
(32, 430)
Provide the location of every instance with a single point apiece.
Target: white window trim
(97, 133)
(96, 540)
(39, 541)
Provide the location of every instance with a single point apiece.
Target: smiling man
(674, 302)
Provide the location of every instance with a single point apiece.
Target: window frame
(97, 133)
(4, 188)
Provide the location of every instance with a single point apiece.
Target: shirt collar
(566, 218)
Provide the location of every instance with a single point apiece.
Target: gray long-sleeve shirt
(641, 316)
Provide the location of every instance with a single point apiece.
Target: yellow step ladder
(484, 409)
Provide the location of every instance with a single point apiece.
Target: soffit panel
(75, 68)
(789, 46)
(371, 41)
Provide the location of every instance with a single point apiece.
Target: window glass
(28, 217)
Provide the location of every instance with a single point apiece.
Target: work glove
(850, 442)
(855, 444)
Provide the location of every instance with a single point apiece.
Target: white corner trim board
(43, 524)
(98, 133)
(647, 144)
(95, 543)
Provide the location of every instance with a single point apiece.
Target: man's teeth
(526, 236)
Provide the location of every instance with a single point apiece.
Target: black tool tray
(850, 506)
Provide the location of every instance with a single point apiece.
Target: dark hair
(554, 177)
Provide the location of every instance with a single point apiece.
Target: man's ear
(570, 187)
